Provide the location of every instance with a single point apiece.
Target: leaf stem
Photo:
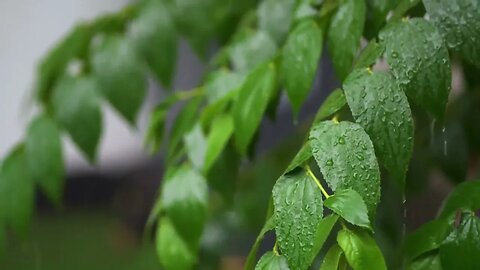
(310, 173)
(275, 248)
(335, 119)
(182, 95)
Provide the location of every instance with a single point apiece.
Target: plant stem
(310, 173)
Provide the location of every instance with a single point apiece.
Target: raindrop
(394, 54)
(341, 140)
(330, 162)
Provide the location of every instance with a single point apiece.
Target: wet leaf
(275, 17)
(349, 205)
(301, 158)
(464, 196)
(173, 252)
(270, 261)
(331, 261)
(332, 104)
(360, 250)
(252, 255)
(428, 237)
(370, 54)
(220, 132)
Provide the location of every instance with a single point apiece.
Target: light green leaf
(300, 61)
(252, 255)
(44, 156)
(304, 10)
(419, 61)
(275, 18)
(370, 54)
(346, 157)
(332, 104)
(429, 262)
(185, 199)
(221, 83)
(428, 237)
(324, 228)
(298, 210)
(301, 158)
(251, 103)
(77, 109)
(349, 205)
(220, 132)
(196, 145)
(155, 38)
(465, 196)
(382, 109)
(271, 261)
(459, 23)
(17, 192)
(172, 251)
(346, 29)
(462, 247)
(331, 261)
(120, 75)
(360, 250)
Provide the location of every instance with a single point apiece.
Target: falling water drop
(432, 132)
(445, 142)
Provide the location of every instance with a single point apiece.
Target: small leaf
(346, 157)
(298, 210)
(221, 130)
(196, 146)
(156, 126)
(221, 83)
(331, 261)
(173, 252)
(44, 156)
(275, 18)
(349, 205)
(251, 103)
(419, 61)
(428, 237)
(301, 158)
(370, 54)
(464, 196)
(332, 104)
(120, 75)
(382, 109)
(346, 29)
(252, 255)
(360, 250)
(300, 60)
(270, 261)
(324, 228)
(77, 109)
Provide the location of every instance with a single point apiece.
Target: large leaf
(349, 205)
(459, 23)
(271, 261)
(251, 103)
(252, 255)
(461, 248)
(360, 250)
(155, 38)
(428, 237)
(44, 156)
(185, 199)
(382, 109)
(298, 210)
(220, 132)
(301, 158)
(220, 83)
(332, 259)
(196, 146)
(346, 157)
(275, 17)
(77, 109)
(120, 75)
(300, 60)
(332, 104)
(173, 252)
(344, 35)
(16, 192)
(464, 196)
(419, 61)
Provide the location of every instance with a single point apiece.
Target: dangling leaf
(196, 146)
(464, 196)
(427, 238)
(221, 83)
(360, 249)
(275, 17)
(332, 259)
(301, 158)
(220, 132)
(349, 205)
(370, 54)
(332, 104)
(271, 261)
(172, 251)
(252, 255)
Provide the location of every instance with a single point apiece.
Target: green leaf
(324, 228)
(346, 157)
(301, 158)
(173, 252)
(429, 262)
(461, 248)
(77, 109)
(270, 261)
(331, 261)
(419, 61)
(251, 103)
(252, 255)
(155, 38)
(221, 83)
(17, 192)
(370, 54)
(459, 23)
(344, 35)
(120, 75)
(332, 104)
(298, 210)
(220, 132)
(185, 199)
(428, 237)
(275, 18)
(360, 250)
(402, 8)
(464, 196)
(382, 109)
(156, 125)
(223, 174)
(256, 48)
(43, 150)
(196, 145)
(300, 61)
(349, 205)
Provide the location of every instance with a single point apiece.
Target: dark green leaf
(173, 252)
(370, 54)
(462, 247)
(302, 157)
(120, 75)
(382, 109)
(155, 39)
(275, 17)
(196, 146)
(429, 262)
(360, 250)
(402, 8)
(344, 35)
(185, 199)
(346, 157)
(428, 237)
(459, 23)
(332, 104)
(332, 259)
(251, 103)
(221, 83)
(324, 228)
(298, 210)
(252, 255)
(300, 60)
(220, 132)
(17, 192)
(271, 261)
(77, 109)
(419, 61)
(349, 205)
(44, 156)
(464, 196)
(223, 174)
